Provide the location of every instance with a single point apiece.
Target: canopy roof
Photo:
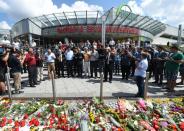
(124, 18)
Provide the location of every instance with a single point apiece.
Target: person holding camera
(15, 63)
(4, 55)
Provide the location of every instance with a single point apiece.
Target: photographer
(15, 63)
(4, 55)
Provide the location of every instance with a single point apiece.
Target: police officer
(159, 65)
(109, 63)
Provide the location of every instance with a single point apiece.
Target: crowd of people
(89, 59)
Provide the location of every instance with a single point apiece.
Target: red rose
(4, 119)
(51, 121)
(2, 124)
(36, 122)
(30, 123)
(72, 129)
(53, 115)
(62, 127)
(10, 121)
(16, 129)
(22, 123)
(16, 124)
(182, 125)
(25, 116)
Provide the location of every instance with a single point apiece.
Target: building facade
(87, 25)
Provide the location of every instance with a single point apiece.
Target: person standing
(79, 57)
(15, 63)
(39, 65)
(31, 66)
(159, 66)
(50, 59)
(112, 43)
(109, 63)
(3, 68)
(117, 62)
(125, 64)
(140, 73)
(86, 62)
(172, 67)
(94, 62)
(69, 61)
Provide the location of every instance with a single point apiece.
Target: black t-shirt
(3, 66)
(14, 64)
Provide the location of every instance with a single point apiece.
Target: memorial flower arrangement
(93, 115)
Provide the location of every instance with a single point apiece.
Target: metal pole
(7, 75)
(103, 30)
(53, 86)
(179, 34)
(101, 86)
(146, 85)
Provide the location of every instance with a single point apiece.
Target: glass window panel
(81, 14)
(132, 17)
(70, 15)
(143, 21)
(137, 20)
(91, 20)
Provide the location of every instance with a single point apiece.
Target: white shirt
(94, 55)
(16, 45)
(50, 58)
(141, 68)
(33, 44)
(69, 55)
(112, 42)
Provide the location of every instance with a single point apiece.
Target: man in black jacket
(109, 63)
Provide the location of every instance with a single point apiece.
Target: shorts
(171, 75)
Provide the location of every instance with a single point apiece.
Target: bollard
(7, 75)
(101, 87)
(53, 86)
(146, 85)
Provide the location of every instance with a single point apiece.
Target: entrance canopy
(122, 19)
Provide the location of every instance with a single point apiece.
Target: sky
(168, 11)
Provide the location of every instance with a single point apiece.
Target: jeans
(140, 85)
(125, 69)
(69, 64)
(93, 68)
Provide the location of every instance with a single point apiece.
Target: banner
(95, 29)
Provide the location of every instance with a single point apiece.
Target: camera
(4, 49)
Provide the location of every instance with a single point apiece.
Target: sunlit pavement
(73, 88)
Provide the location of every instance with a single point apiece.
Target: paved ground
(75, 87)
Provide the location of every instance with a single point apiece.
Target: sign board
(89, 29)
